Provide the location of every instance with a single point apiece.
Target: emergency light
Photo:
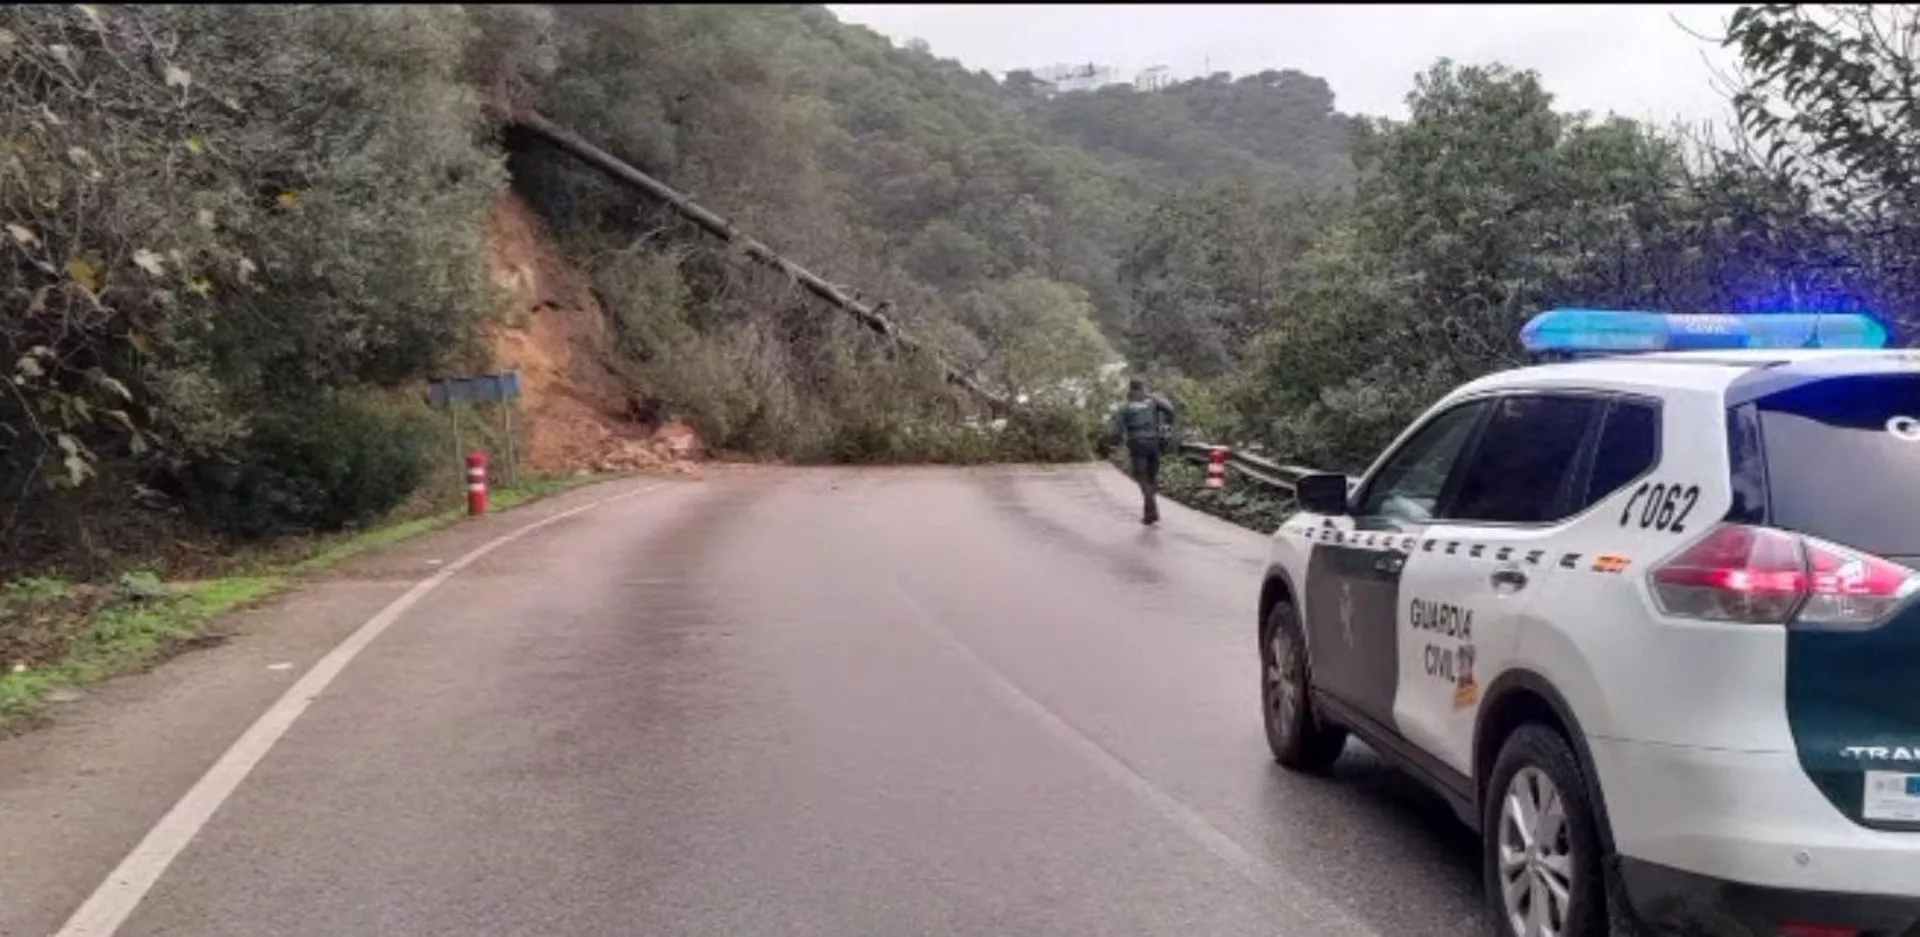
(1605, 331)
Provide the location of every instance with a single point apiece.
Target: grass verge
(56, 635)
(335, 549)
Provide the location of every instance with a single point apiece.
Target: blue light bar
(1604, 331)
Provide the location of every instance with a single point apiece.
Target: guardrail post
(1251, 468)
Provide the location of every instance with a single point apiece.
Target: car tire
(1540, 842)
(1300, 738)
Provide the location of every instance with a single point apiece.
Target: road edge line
(114, 900)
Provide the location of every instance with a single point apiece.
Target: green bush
(880, 440)
(202, 206)
(954, 444)
(1203, 412)
(1050, 434)
(320, 465)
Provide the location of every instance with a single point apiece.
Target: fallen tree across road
(621, 171)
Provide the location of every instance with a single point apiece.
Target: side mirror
(1322, 493)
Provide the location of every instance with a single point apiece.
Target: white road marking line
(1316, 914)
(116, 898)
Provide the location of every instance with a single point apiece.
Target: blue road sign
(474, 388)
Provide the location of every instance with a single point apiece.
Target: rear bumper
(1712, 841)
(1672, 901)
(1751, 817)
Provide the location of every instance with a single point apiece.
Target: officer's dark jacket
(1146, 421)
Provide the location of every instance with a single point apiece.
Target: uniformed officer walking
(1147, 424)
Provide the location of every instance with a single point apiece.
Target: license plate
(1892, 796)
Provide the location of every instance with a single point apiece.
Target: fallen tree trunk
(719, 227)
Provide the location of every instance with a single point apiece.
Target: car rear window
(1843, 461)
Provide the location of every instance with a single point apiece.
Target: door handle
(1509, 580)
(1390, 562)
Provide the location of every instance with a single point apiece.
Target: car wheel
(1300, 739)
(1543, 868)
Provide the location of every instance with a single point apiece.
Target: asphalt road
(822, 702)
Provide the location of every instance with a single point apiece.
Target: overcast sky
(1632, 60)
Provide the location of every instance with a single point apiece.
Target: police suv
(1646, 622)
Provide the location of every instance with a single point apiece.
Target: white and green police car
(1645, 621)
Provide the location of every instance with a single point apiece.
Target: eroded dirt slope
(576, 414)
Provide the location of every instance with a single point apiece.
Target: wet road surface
(806, 701)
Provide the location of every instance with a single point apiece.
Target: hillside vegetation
(239, 238)
(1276, 128)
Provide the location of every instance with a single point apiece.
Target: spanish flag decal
(1610, 563)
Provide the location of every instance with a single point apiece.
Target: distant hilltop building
(1077, 77)
(1090, 76)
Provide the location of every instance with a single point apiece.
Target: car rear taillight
(1734, 573)
(1758, 575)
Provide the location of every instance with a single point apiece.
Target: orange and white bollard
(476, 483)
(1217, 467)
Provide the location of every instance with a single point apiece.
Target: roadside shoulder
(80, 792)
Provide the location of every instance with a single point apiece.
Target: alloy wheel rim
(1283, 682)
(1536, 855)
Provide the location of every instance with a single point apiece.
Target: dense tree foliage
(1485, 206)
(1275, 128)
(1208, 271)
(1830, 98)
(215, 217)
(897, 173)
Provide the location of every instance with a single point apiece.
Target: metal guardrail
(1258, 470)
